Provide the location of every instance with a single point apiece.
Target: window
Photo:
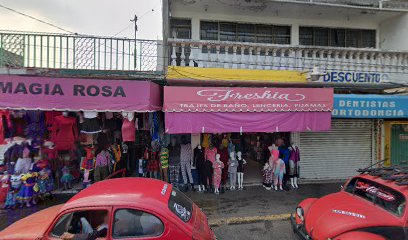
(237, 32)
(180, 205)
(131, 223)
(380, 195)
(180, 28)
(337, 37)
(82, 222)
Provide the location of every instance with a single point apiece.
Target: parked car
(371, 205)
(131, 208)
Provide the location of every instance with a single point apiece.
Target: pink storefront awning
(74, 94)
(200, 99)
(217, 110)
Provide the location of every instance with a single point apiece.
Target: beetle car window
(92, 223)
(383, 196)
(180, 205)
(131, 223)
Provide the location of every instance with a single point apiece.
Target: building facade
(357, 48)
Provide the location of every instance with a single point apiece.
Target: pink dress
(128, 131)
(209, 154)
(217, 166)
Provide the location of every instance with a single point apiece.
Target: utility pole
(135, 21)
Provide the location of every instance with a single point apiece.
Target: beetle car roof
(122, 191)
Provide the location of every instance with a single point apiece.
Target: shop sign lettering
(370, 106)
(58, 90)
(354, 77)
(219, 95)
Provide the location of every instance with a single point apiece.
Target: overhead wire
(36, 19)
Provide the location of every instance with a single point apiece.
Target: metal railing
(62, 51)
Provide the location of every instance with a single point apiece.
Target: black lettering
(6, 88)
(35, 88)
(79, 90)
(106, 91)
(47, 89)
(20, 88)
(92, 93)
(119, 92)
(57, 90)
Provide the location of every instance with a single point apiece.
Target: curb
(243, 220)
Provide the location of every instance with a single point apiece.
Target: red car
(371, 205)
(130, 208)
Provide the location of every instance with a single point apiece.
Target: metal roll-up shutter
(338, 153)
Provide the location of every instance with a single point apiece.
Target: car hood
(31, 227)
(341, 212)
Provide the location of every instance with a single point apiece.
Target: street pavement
(253, 213)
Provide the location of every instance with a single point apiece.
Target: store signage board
(370, 106)
(354, 77)
(213, 99)
(43, 93)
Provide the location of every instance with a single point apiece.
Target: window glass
(180, 28)
(383, 196)
(264, 34)
(306, 36)
(209, 30)
(82, 222)
(337, 37)
(228, 32)
(246, 32)
(180, 205)
(282, 34)
(130, 223)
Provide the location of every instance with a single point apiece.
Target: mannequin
(217, 166)
(224, 141)
(232, 170)
(209, 155)
(223, 151)
(186, 156)
(200, 164)
(174, 162)
(278, 169)
(26, 195)
(231, 147)
(15, 184)
(4, 187)
(23, 163)
(284, 154)
(240, 170)
(66, 132)
(294, 160)
(267, 176)
(129, 126)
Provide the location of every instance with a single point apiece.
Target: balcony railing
(61, 51)
(218, 54)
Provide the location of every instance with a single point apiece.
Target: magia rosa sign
(191, 99)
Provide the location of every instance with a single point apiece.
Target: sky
(91, 17)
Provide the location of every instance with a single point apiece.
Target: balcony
(78, 52)
(217, 54)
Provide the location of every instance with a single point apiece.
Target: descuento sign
(355, 77)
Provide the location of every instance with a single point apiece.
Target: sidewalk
(256, 202)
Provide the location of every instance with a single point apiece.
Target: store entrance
(253, 146)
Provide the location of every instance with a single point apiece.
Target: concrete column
(195, 29)
(294, 35)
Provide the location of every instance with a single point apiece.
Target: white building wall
(394, 33)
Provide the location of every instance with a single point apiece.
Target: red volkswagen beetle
(130, 208)
(371, 205)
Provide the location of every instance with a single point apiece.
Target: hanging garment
(35, 129)
(210, 154)
(224, 159)
(206, 140)
(294, 162)
(66, 133)
(241, 163)
(174, 154)
(164, 158)
(217, 166)
(101, 166)
(278, 169)
(5, 125)
(91, 123)
(154, 129)
(186, 157)
(27, 190)
(128, 131)
(200, 165)
(267, 176)
(153, 163)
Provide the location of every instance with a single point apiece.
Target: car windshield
(180, 205)
(383, 196)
